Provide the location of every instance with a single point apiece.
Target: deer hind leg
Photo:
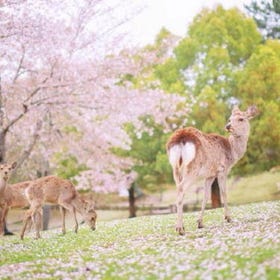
(37, 220)
(179, 202)
(72, 210)
(27, 220)
(223, 191)
(207, 191)
(182, 186)
(33, 215)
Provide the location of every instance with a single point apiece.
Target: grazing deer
(52, 189)
(5, 173)
(194, 154)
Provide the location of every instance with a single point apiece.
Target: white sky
(175, 15)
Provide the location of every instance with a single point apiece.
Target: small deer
(5, 173)
(194, 154)
(54, 190)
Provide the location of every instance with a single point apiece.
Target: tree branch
(34, 139)
(20, 64)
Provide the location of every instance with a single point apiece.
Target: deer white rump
(184, 152)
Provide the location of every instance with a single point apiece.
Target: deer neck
(238, 145)
(78, 203)
(3, 184)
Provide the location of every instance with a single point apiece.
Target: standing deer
(5, 173)
(54, 190)
(194, 154)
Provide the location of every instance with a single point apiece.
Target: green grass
(260, 187)
(148, 248)
(253, 188)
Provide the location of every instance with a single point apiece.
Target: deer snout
(228, 127)
(5, 177)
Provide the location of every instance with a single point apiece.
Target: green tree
(68, 165)
(207, 61)
(259, 84)
(147, 150)
(267, 16)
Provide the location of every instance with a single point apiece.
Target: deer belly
(210, 170)
(51, 197)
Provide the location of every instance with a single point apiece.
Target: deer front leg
(3, 214)
(207, 191)
(223, 191)
(72, 209)
(63, 213)
(1, 221)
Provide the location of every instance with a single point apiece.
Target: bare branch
(34, 139)
(20, 64)
(16, 119)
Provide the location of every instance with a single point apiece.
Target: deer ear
(90, 205)
(235, 109)
(252, 111)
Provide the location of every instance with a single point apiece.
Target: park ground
(148, 247)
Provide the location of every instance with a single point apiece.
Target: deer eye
(241, 120)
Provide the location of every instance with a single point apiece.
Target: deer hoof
(200, 224)
(228, 219)
(180, 230)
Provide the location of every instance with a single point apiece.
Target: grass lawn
(253, 188)
(148, 248)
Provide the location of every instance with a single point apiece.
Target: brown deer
(194, 154)
(54, 190)
(5, 173)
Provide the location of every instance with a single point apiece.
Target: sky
(175, 15)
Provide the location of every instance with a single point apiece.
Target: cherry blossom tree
(61, 91)
(50, 52)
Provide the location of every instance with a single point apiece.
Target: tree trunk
(131, 200)
(44, 171)
(215, 195)
(46, 216)
(2, 146)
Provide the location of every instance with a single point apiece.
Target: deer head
(90, 215)
(6, 170)
(238, 124)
